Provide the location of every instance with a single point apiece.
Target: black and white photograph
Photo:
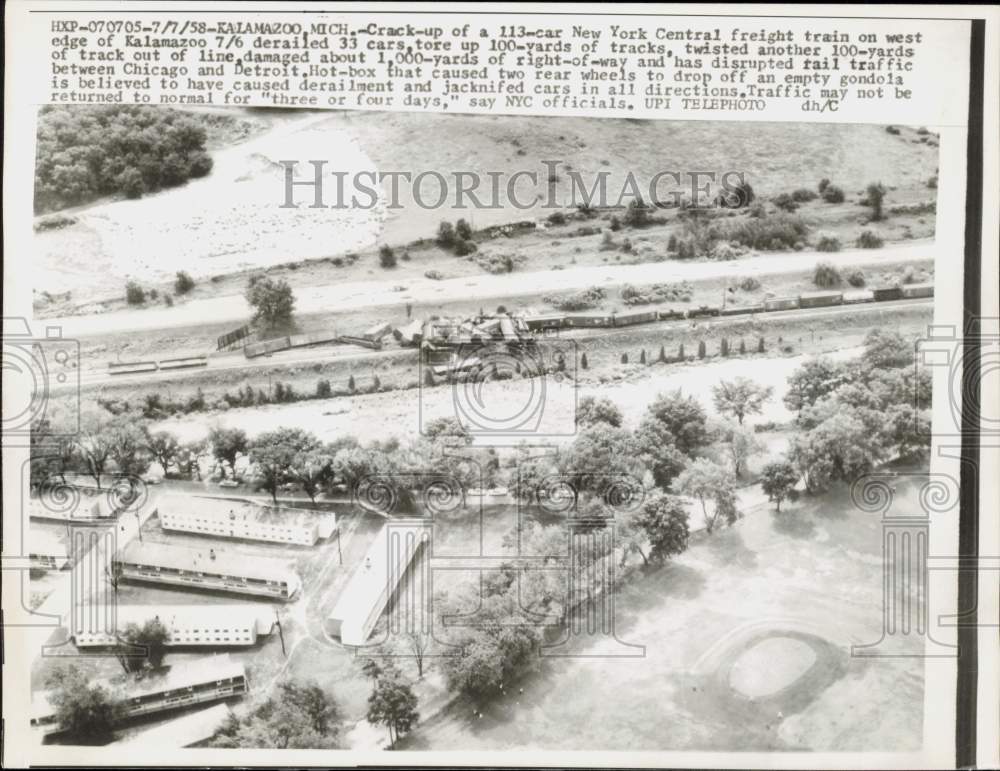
(401, 431)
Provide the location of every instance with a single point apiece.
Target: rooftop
(205, 559)
(182, 731)
(224, 509)
(192, 615)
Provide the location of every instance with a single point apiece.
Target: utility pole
(340, 555)
(281, 633)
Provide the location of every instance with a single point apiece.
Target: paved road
(363, 294)
(97, 375)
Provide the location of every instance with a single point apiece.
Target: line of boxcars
(551, 321)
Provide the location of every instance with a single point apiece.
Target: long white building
(188, 625)
(240, 518)
(367, 593)
(206, 569)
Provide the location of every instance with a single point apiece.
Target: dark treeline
(88, 152)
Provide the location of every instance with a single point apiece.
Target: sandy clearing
(363, 294)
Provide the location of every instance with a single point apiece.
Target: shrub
(499, 263)
(445, 235)
(463, 230)
(828, 244)
(737, 197)
(464, 247)
(435, 275)
(856, 278)
(823, 185)
(351, 385)
(557, 218)
(272, 301)
(724, 347)
(875, 197)
(615, 223)
(892, 130)
(662, 358)
(922, 131)
(785, 202)
(933, 182)
(826, 275)
(386, 256)
(183, 283)
(637, 213)
(701, 349)
(376, 384)
(760, 345)
(134, 293)
(672, 243)
(168, 301)
(780, 231)
(583, 299)
(743, 347)
(680, 353)
(804, 195)
(323, 389)
(642, 356)
(584, 364)
(749, 283)
(833, 194)
(869, 240)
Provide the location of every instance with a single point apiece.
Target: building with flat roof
(45, 552)
(182, 685)
(241, 518)
(373, 582)
(188, 625)
(207, 569)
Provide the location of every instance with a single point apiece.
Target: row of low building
(207, 680)
(186, 625)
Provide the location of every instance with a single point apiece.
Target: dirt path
(363, 294)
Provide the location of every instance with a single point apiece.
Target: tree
(499, 648)
(418, 643)
(183, 283)
(841, 446)
(683, 417)
(272, 301)
(85, 711)
(662, 522)
(165, 448)
(708, 481)
(876, 196)
(311, 466)
(153, 635)
(273, 453)
(228, 444)
(300, 715)
(658, 452)
(813, 380)
(189, 457)
(886, 349)
(592, 410)
(451, 430)
(740, 397)
(637, 213)
(393, 704)
(777, 480)
(600, 457)
(127, 443)
(463, 230)
(94, 442)
(741, 445)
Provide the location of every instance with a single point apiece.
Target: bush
(445, 235)
(557, 218)
(583, 299)
(738, 197)
(134, 294)
(724, 347)
(702, 350)
(749, 283)
(828, 244)
(804, 195)
(760, 345)
(875, 197)
(642, 356)
(615, 223)
(869, 240)
(272, 301)
(856, 278)
(435, 275)
(624, 358)
(464, 247)
(833, 194)
(386, 256)
(781, 231)
(933, 182)
(826, 275)
(499, 263)
(785, 202)
(183, 283)
(584, 364)
(823, 185)
(351, 385)
(637, 213)
(463, 230)
(323, 389)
